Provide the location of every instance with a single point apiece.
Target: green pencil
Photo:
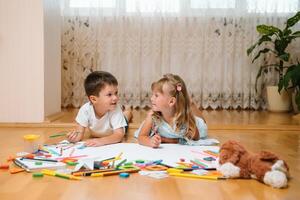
(58, 135)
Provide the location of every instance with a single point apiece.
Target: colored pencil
(88, 173)
(196, 176)
(39, 159)
(114, 172)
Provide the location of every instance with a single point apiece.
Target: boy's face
(107, 99)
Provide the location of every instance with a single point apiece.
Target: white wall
(23, 62)
(52, 56)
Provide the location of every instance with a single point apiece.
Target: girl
(171, 119)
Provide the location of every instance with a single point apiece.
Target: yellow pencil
(119, 156)
(88, 173)
(196, 176)
(53, 173)
(114, 172)
(115, 158)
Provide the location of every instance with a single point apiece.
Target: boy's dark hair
(96, 81)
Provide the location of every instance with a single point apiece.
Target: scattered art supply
(31, 143)
(16, 170)
(174, 170)
(22, 154)
(124, 175)
(90, 172)
(128, 164)
(211, 153)
(38, 159)
(4, 166)
(196, 176)
(53, 152)
(72, 157)
(60, 175)
(58, 135)
(106, 160)
(156, 168)
(119, 156)
(101, 174)
(209, 159)
(121, 163)
(82, 147)
(154, 174)
(37, 175)
(69, 146)
(200, 172)
(29, 164)
(72, 151)
(72, 163)
(200, 164)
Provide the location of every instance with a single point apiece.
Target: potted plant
(274, 41)
(291, 80)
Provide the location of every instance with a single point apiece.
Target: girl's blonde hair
(183, 114)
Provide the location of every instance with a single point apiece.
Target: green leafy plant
(279, 39)
(291, 80)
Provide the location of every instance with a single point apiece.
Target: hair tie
(178, 87)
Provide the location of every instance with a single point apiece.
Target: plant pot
(278, 102)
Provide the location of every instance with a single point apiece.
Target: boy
(102, 115)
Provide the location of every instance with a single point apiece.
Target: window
(176, 6)
(152, 6)
(270, 6)
(196, 4)
(92, 3)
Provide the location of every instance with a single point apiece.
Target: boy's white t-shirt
(105, 125)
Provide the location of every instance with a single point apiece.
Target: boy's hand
(74, 136)
(93, 142)
(155, 141)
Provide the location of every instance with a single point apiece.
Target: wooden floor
(276, 132)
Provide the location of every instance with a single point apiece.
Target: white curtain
(203, 41)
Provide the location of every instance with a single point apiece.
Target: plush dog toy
(236, 162)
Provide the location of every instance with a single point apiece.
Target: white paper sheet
(169, 153)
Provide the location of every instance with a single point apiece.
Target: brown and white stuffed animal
(236, 162)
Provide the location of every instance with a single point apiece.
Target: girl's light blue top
(165, 130)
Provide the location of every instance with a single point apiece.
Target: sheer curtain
(138, 41)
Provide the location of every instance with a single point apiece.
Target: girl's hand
(74, 136)
(93, 142)
(150, 113)
(155, 141)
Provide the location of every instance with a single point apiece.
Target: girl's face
(160, 100)
(107, 99)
